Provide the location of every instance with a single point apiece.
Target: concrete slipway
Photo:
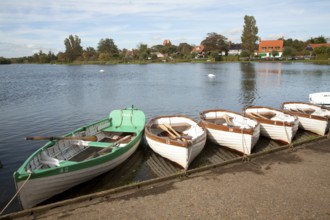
(279, 182)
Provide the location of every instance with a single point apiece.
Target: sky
(28, 26)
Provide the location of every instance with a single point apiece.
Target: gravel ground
(282, 185)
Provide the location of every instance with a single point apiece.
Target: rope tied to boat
(245, 157)
(121, 122)
(18, 191)
(245, 147)
(132, 117)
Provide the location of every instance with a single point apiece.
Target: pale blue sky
(28, 26)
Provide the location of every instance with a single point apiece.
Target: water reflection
(248, 90)
(270, 72)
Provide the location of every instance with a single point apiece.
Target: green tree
(249, 36)
(215, 42)
(60, 57)
(322, 53)
(169, 49)
(287, 52)
(73, 48)
(156, 48)
(245, 53)
(185, 49)
(51, 56)
(143, 51)
(215, 55)
(297, 45)
(109, 47)
(320, 50)
(4, 60)
(317, 40)
(90, 54)
(104, 57)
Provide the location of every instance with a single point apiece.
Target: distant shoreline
(320, 62)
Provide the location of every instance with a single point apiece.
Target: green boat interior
(64, 152)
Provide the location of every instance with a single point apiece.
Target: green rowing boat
(78, 156)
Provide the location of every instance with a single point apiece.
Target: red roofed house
(267, 47)
(313, 46)
(199, 50)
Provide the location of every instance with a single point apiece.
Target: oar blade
(41, 138)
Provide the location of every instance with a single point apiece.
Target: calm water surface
(54, 99)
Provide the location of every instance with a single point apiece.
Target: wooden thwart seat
(267, 115)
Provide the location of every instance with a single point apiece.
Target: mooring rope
(18, 191)
(132, 118)
(245, 156)
(121, 122)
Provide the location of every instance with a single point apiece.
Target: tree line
(215, 47)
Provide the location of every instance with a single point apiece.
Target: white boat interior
(230, 119)
(270, 114)
(307, 109)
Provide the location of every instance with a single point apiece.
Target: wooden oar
(164, 128)
(40, 138)
(172, 129)
(115, 144)
(292, 110)
(306, 111)
(257, 115)
(228, 120)
(178, 136)
(298, 110)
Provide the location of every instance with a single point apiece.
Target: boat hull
(243, 143)
(316, 123)
(38, 190)
(75, 158)
(183, 156)
(182, 152)
(320, 98)
(282, 131)
(238, 139)
(319, 127)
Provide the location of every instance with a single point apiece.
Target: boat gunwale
(168, 140)
(272, 122)
(22, 174)
(220, 127)
(306, 115)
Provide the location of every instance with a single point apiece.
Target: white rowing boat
(275, 124)
(320, 98)
(231, 129)
(312, 117)
(177, 138)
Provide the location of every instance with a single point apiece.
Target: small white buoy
(211, 75)
(101, 71)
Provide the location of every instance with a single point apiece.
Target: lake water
(55, 99)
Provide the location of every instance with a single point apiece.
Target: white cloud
(48, 23)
